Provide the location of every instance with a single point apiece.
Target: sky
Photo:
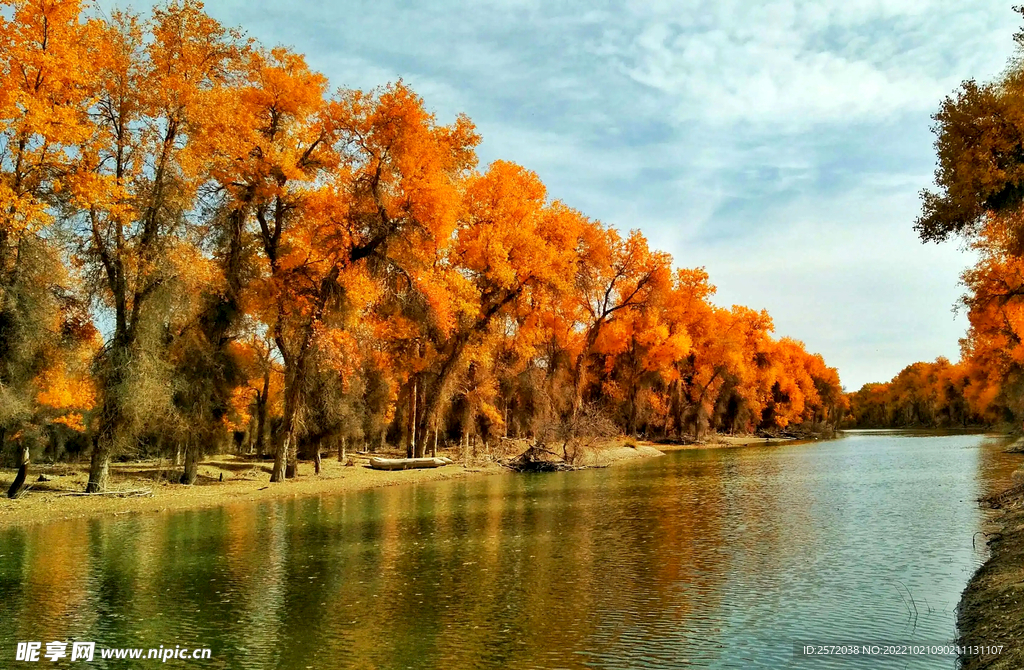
(780, 144)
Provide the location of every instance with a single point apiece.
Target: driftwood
(136, 493)
(378, 463)
(540, 459)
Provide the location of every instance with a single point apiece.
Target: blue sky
(780, 144)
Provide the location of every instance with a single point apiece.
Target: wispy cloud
(780, 143)
(793, 64)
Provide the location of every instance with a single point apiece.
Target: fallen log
(378, 463)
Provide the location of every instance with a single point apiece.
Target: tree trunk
(250, 436)
(411, 450)
(579, 372)
(631, 421)
(291, 469)
(99, 466)
(286, 462)
(341, 449)
(19, 481)
(278, 473)
(261, 414)
(433, 449)
(316, 459)
(188, 477)
(284, 447)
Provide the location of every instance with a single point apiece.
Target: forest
(936, 394)
(204, 247)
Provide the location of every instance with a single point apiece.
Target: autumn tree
(45, 87)
(614, 276)
(510, 247)
(979, 196)
(980, 167)
(352, 195)
(640, 354)
(995, 309)
(135, 185)
(200, 240)
(925, 394)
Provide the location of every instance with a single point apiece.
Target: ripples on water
(717, 558)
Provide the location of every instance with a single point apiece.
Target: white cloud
(795, 64)
(847, 275)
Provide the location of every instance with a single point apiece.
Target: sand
(243, 479)
(229, 478)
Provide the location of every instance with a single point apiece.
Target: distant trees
(289, 270)
(934, 395)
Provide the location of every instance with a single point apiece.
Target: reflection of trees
(514, 571)
(43, 587)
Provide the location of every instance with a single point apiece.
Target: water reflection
(703, 558)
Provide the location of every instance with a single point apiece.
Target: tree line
(933, 395)
(203, 245)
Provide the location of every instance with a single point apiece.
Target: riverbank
(151, 486)
(726, 441)
(991, 611)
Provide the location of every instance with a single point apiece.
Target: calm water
(717, 558)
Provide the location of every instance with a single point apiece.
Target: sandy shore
(991, 611)
(225, 479)
(243, 479)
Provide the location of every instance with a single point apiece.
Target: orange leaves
(47, 60)
(511, 244)
(21, 212)
(992, 350)
(65, 395)
(927, 394)
(48, 57)
(616, 274)
(406, 168)
(338, 348)
(220, 192)
(502, 235)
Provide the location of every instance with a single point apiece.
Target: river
(719, 558)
